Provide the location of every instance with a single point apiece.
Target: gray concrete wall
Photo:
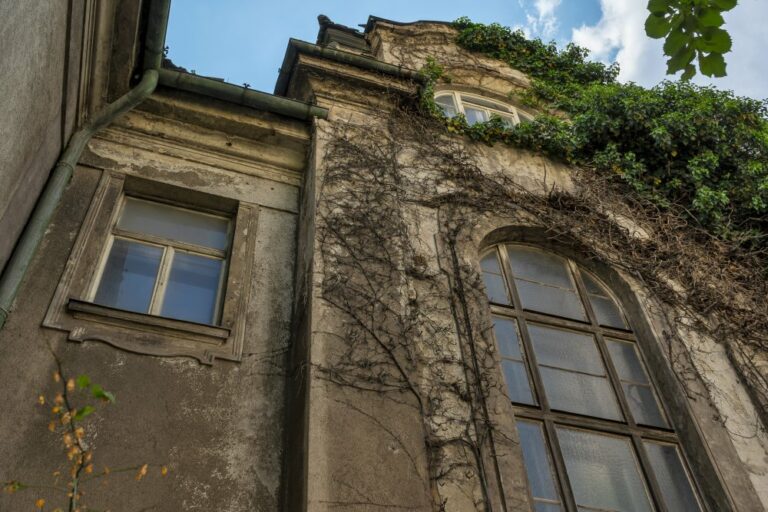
(218, 428)
(40, 61)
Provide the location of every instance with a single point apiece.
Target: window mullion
(553, 445)
(156, 306)
(459, 103)
(650, 477)
(220, 292)
(94, 287)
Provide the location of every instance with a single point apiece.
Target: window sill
(204, 332)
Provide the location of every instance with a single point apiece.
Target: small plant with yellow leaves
(74, 402)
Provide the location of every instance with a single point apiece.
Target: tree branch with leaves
(692, 30)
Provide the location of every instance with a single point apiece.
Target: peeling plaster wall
(218, 428)
(340, 468)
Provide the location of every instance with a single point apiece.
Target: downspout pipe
(38, 223)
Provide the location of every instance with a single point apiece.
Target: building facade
(317, 300)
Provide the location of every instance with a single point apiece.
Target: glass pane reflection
(192, 288)
(603, 471)
(538, 466)
(129, 276)
(493, 279)
(174, 223)
(673, 479)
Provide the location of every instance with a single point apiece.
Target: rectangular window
(165, 261)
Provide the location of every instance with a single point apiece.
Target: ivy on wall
(698, 148)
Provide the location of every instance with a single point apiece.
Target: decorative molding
(187, 151)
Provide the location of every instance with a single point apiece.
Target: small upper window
(477, 109)
(165, 261)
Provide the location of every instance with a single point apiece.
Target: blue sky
(243, 41)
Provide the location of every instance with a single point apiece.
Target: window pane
(174, 223)
(592, 286)
(538, 465)
(505, 331)
(192, 288)
(534, 265)
(626, 360)
(496, 289)
(676, 488)
(129, 276)
(579, 393)
(607, 311)
(517, 382)
(566, 349)
(447, 104)
(474, 115)
(551, 300)
(490, 263)
(482, 102)
(493, 280)
(645, 409)
(603, 471)
(643, 405)
(508, 121)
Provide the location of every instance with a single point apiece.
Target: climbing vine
(400, 204)
(702, 149)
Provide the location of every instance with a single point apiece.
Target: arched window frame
(545, 416)
(463, 101)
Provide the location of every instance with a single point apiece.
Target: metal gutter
(241, 95)
(296, 46)
(46, 205)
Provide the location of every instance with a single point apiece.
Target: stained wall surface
(40, 61)
(218, 428)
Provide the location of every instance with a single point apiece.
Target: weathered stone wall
(397, 317)
(218, 428)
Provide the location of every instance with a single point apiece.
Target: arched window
(594, 434)
(478, 109)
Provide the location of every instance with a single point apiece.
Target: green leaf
(656, 26)
(85, 411)
(711, 18)
(715, 40)
(98, 392)
(83, 381)
(680, 60)
(676, 40)
(658, 6)
(690, 71)
(712, 64)
(725, 5)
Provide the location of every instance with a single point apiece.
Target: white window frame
(169, 247)
(502, 110)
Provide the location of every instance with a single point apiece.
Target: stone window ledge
(170, 326)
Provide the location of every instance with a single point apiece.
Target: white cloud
(621, 29)
(543, 22)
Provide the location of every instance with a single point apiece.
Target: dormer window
(477, 109)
